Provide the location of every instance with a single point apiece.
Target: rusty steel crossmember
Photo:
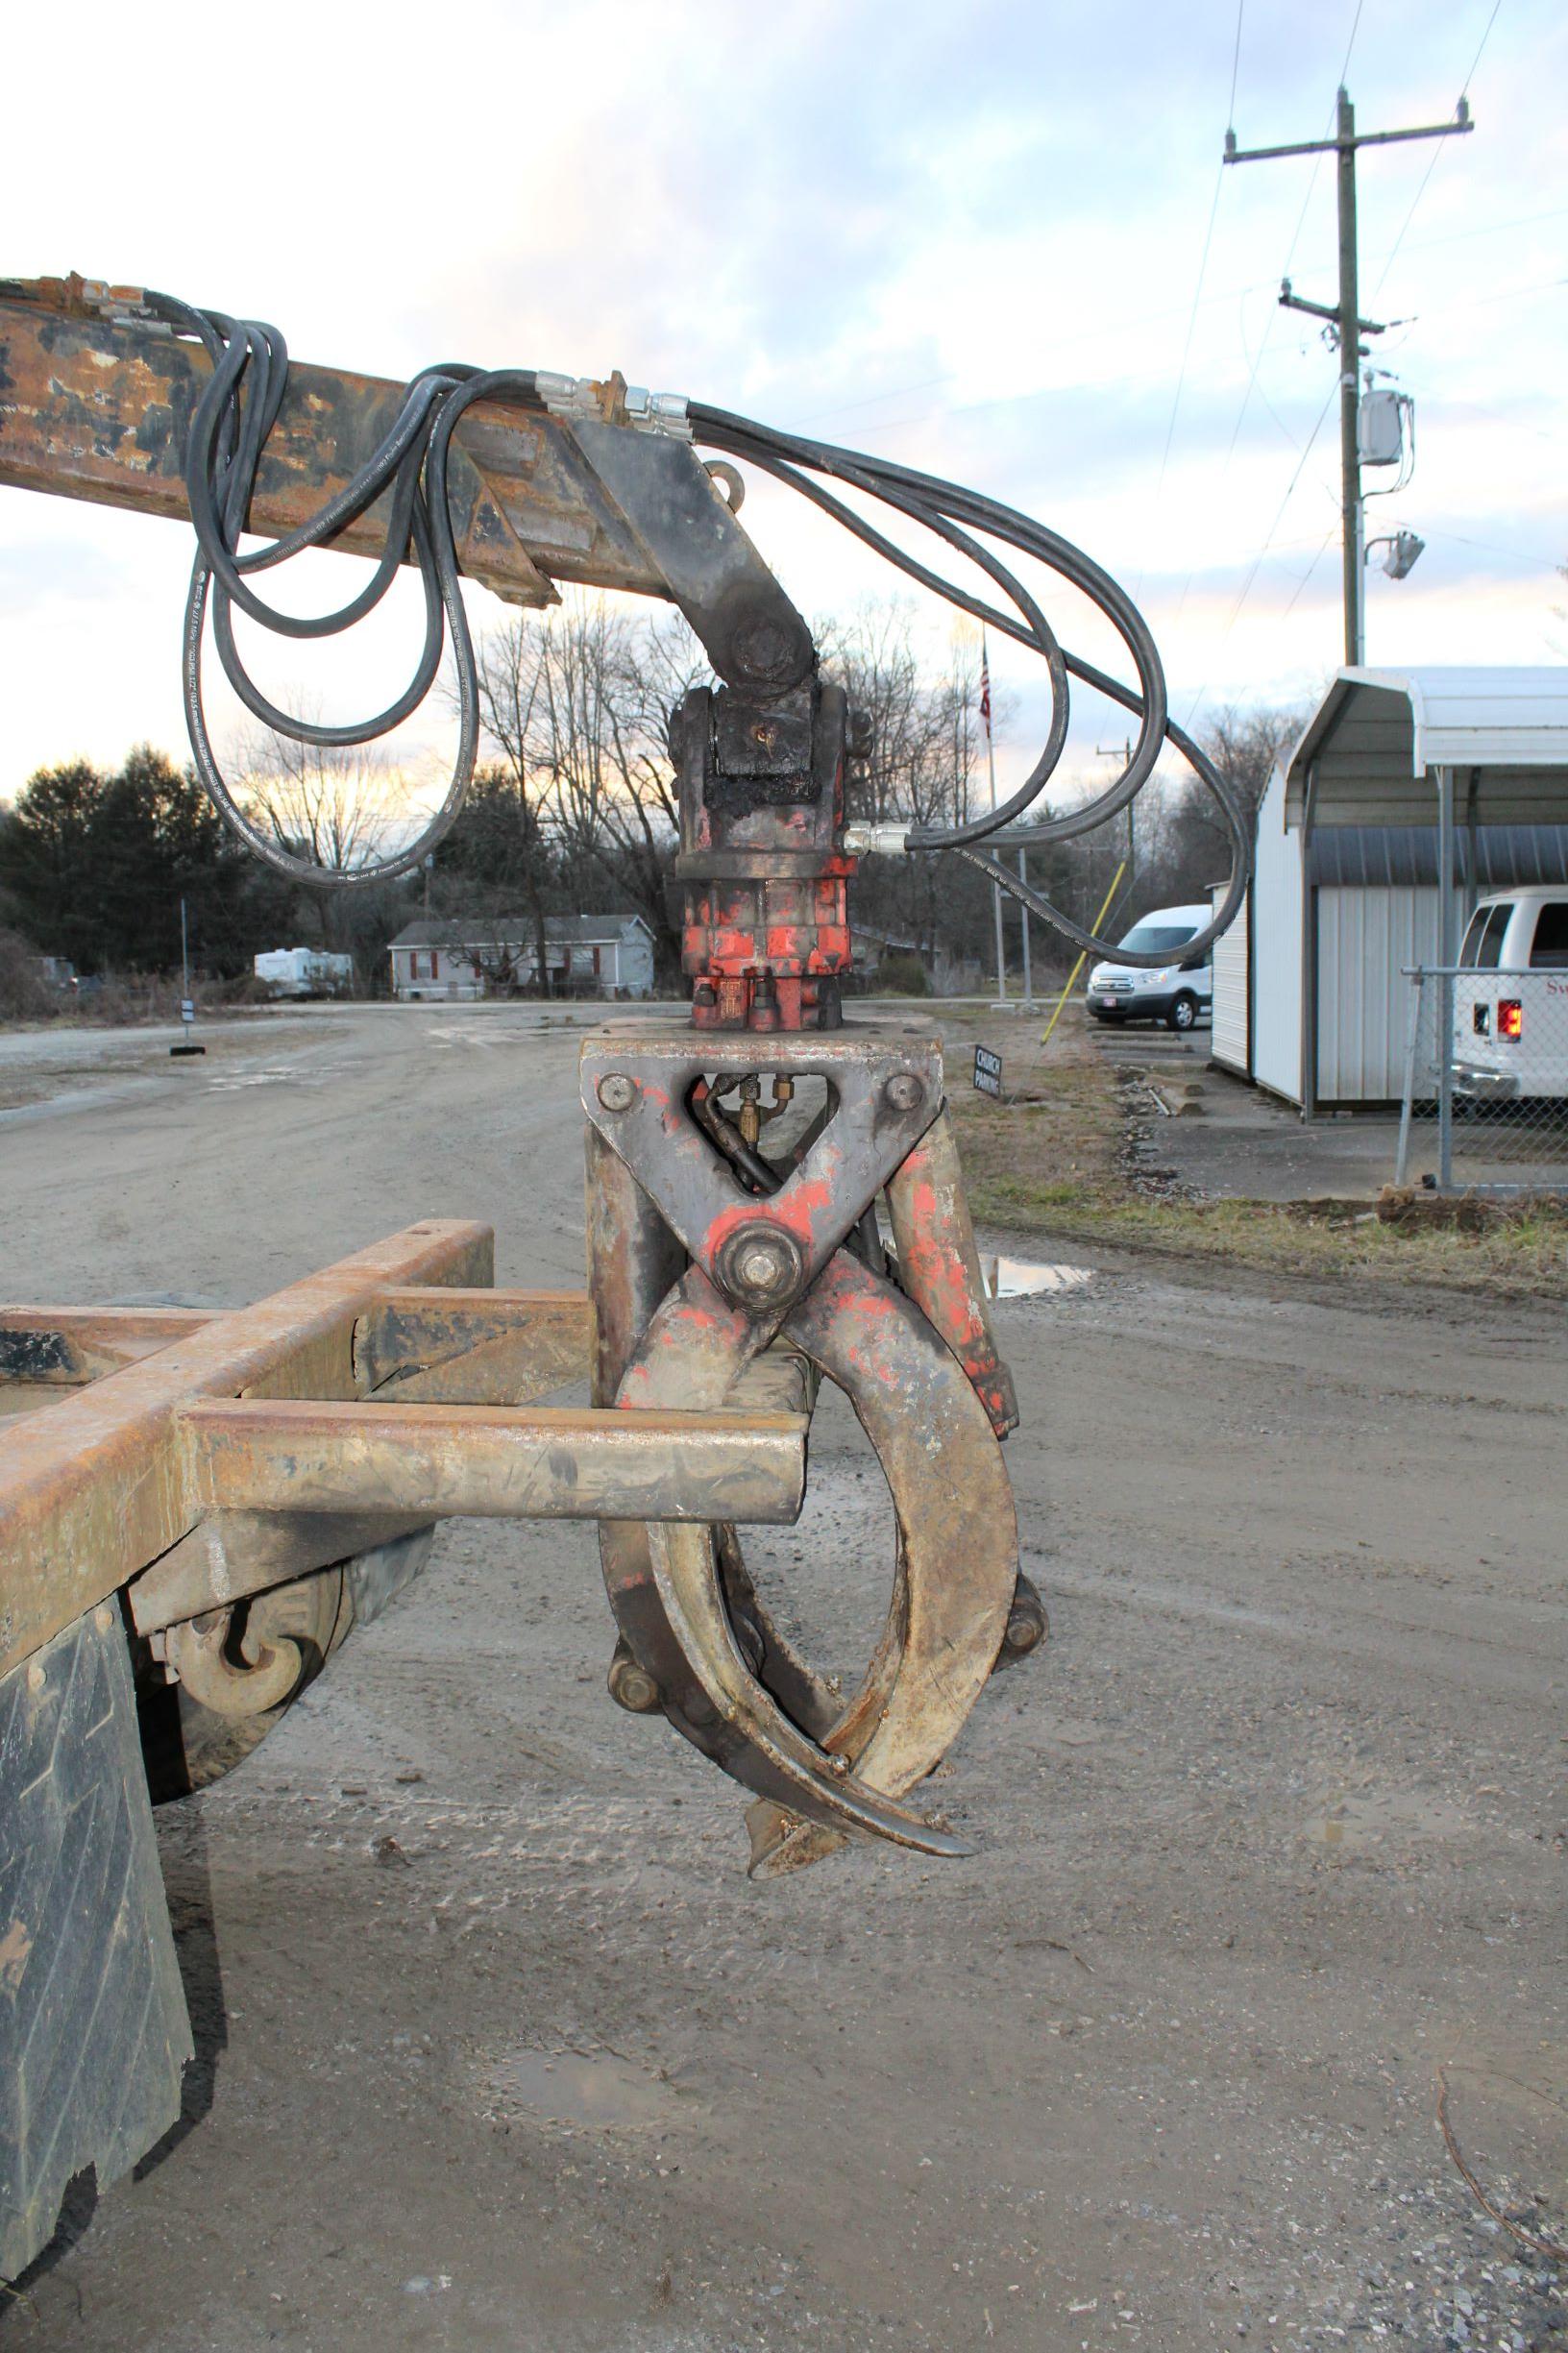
(228, 1451)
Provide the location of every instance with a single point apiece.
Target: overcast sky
(969, 237)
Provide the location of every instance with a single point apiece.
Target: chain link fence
(1486, 1105)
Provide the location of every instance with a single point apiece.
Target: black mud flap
(93, 2029)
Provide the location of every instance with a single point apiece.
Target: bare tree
(926, 730)
(1184, 844)
(927, 741)
(516, 854)
(333, 805)
(576, 702)
(1245, 745)
(614, 677)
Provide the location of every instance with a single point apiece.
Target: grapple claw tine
(757, 1742)
(957, 1524)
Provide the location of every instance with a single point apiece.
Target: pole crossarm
(1460, 124)
(1289, 300)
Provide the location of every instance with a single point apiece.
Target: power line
(1295, 241)
(1306, 577)
(1483, 302)
(1290, 437)
(1347, 323)
(1355, 28)
(1393, 251)
(1095, 333)
(1252, 375)
(1236, 60)
(1301, 468)
(1191, 328)
(1203, 268)
(1246, 586)
(1492, 547)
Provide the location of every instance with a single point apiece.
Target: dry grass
(1056, 1164)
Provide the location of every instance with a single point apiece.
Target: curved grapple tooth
(762, 1748)
(957, 1548)
(958, 1543)
(827, 1769)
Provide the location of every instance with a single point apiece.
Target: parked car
(1510, 1002)
(1178, 993)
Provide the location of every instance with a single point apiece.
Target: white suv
(1177, 992)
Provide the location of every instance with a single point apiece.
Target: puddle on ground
(1029, 1279)
(1354, 1822)
(225, 1082)
(586, 2088)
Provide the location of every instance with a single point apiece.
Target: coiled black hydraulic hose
(955, 514)
(230, 430)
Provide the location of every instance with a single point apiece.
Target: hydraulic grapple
(203, 1505)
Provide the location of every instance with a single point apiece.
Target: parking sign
(988, 1072)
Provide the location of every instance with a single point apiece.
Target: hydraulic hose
(229, 433)
(956, 515)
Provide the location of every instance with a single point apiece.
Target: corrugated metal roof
(485, 931)
(1371, 855)
(1460, 717)
(1372, 751)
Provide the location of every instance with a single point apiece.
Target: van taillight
(1510, 1017)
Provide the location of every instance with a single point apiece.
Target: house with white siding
(443, 958)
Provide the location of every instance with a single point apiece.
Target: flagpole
(991, 757)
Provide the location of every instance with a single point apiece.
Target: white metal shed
(1411, 794)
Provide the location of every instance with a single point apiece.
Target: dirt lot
(1275, 1829)
(1132, 1140)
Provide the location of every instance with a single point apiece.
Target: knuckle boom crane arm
(520, 478)
(217, 1474)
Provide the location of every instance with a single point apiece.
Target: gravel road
(1275, 1829)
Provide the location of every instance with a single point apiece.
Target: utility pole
(1123, 751)
(1028, 1003)
(1001, 1003)
(1346, 326)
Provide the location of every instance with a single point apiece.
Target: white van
(1178, 993)
(1510, 1002)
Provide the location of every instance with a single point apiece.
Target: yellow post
(1115, 885)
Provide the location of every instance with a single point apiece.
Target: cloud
(971, 239)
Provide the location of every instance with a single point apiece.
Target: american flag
(985, 689)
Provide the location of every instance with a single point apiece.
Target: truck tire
(93, 2024)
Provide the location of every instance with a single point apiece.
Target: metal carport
(1408, 793)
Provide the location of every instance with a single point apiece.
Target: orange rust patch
(14, 1947)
